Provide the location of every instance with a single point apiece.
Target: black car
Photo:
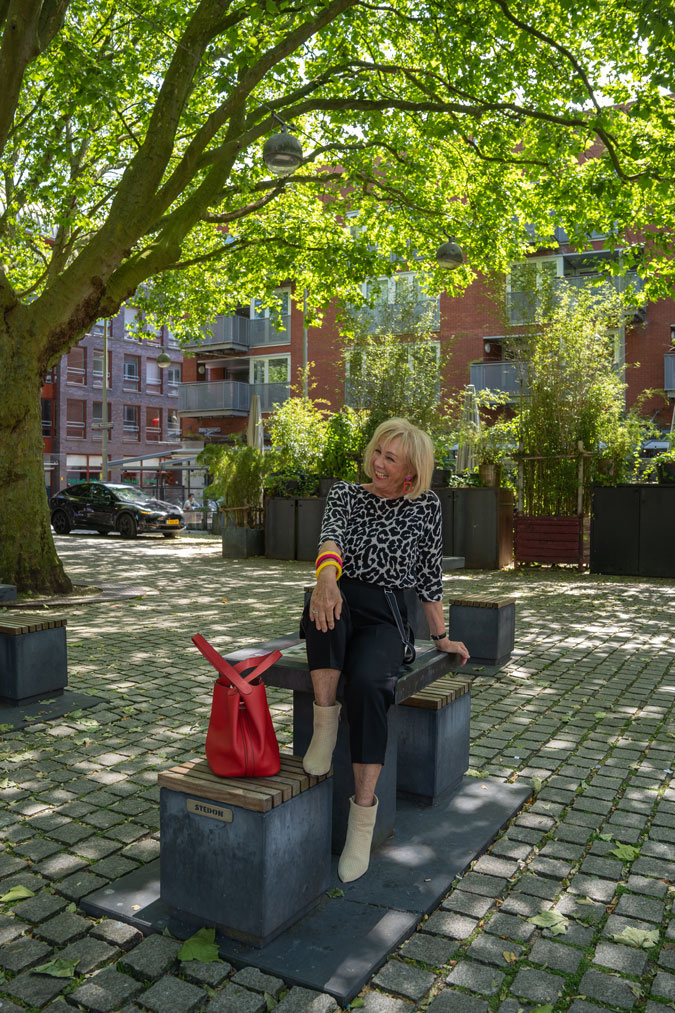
(103, 507)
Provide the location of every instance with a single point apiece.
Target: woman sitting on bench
(383, 535)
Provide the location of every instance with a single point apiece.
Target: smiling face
(389, 468)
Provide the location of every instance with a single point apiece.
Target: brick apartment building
(249, 353)
(142, 407)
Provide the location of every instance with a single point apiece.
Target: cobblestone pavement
(545, 920)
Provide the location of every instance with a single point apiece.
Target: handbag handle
(231, 672)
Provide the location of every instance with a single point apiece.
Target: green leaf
(626, 852)
(584, 900)
(358, 1003)
(642, 938)
(600, 714)
(547, 1008)
(201, 946)
(16, 893)
(509, 956)
(270, 1001)
(537, 784)
(605, 837)
(72, 907)
(57, 968)
(552, 920)
(6, 728)
(335, 892)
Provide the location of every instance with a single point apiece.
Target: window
(97, 328)
(136, 328)
(173, 375)
(271, 325)
(281, 306)
(131, 429)
(274, 369)
(47, 416)
(530, 288)
(76, 425)
(132, 372)
(173, 426)
(97, 368)
(153, 377)
(410, 370)
(77, 365)
(153, 424)
(400, 305)
(97, 418)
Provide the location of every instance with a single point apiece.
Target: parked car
(104, 507)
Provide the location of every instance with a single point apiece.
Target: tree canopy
(131, 134)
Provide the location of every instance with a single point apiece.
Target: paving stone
(479, 978)
(604, 867)
(597, 889)
(569, 832)
(35, 989)
(117, 933)
(640, 907)
(433, 950)
(524, 904)
(556, 956)
(146, 850)
(152, 958)
(490, 865)
(108, 990)
(198, 972)
(80, 884)
(664, 986)
(60, 865)
(506, 848)
(113, 867)
(37, 909)
(561, 849)
(579, 907)
(467, 903)
(654, 867)
(375, 1002)
(95, 848)
(89, 953)
(550, 867)
(251, 977)
(404, 979)
(545, 888)
(10, 1007)
(450, 924)
(10, 865)
(304, 1000)
(627, 959)
(23, 953)
(487, 886)
(667, 957)
(607, 988)
(63, 929)
(70, 833)
(37, 849)
(615, 925)
(451, 1001)
(171, 993)
(234, 999)
(530, 983)
(10, 928)
(510, 926)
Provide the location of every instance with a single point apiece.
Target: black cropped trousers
(365, 645)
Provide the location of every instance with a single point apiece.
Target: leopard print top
(389, 542)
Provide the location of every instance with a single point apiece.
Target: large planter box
(280, 527)
(630, 530)
(239, 543)
(308, 527)
(552, 539)
(482, 527)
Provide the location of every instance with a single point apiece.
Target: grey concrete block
(7, 592)
(117, 933)
(433, 950)
(404, 979)
(198, 972)
(33, 664)
(251, 877)
(234, 999)
(433, 749)
(627, 959)
(607, 988)
(253, 978)
(304, 1000)
(108, 990)
(36, 990)
(171, 993)
(151, 958)
(488, 633)
(479, 978)
(452, 1001)
(23, 953)
(536, 985)
(64, 928)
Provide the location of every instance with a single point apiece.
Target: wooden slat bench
(33, 658)
(432, 730)
(249, 856)
(486, 624)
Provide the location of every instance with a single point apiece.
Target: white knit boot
(355, 857)
(318, 758)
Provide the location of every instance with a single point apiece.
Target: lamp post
(449, 255)
(104, 405)
(163, 360)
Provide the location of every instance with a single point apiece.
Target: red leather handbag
(241, 741)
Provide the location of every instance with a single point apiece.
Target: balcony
(399, 318)
(239, 333)
(669, 374)
(228, 397)
(522, 305)
(497, 376)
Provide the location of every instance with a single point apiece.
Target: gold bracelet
(330, 562)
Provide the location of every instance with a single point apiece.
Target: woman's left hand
(453, 647)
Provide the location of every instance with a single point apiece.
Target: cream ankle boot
(355, 857)
(317, 759)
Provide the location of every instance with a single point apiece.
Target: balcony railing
(228, 397)
(498, 376)
(399, 319)
(522, 306)
(669, 374)
(238, 333)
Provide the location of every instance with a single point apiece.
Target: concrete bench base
(33, 659)
(486, 624)
(7, 592)
(432, 730)
(249, 856)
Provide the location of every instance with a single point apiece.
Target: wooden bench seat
(249, 856)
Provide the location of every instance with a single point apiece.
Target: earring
(408, 484)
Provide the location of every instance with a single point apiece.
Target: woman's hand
(325, 605)
(453, 647)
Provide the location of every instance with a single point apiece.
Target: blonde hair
(417, 449)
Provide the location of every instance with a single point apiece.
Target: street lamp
(163, 360)
(282, 153)
(449, 255)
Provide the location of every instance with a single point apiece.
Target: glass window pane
(278, 370)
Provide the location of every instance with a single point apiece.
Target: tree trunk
(29, 562)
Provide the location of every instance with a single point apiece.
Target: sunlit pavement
(585, 709)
